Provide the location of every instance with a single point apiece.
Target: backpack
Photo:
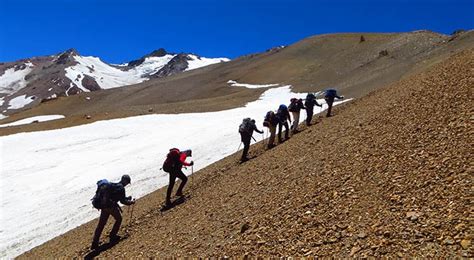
(101, 198)
(172, 160)
(246, 126)
(270, 119)
(293, 107)
(310, 97)
(330, 93)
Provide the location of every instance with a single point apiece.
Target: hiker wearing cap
(309, 103)
(329, 96)
(283, 117)
(175, 160)
(295, 107)
(246, 130)
(112, 193)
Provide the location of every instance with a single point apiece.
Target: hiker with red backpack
(175, 160)
(283, 117)
(106, 200)
(309, 103)
(329, 96)
(295, 107)
(246, 129)
(271, 121)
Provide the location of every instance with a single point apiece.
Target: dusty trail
(389, 175)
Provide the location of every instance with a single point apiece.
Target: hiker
(283, 117)
(295, 107)
(309, 103)
(111, 195)
(271, 121)
(175, 160)
(246, 130)
(329, 96)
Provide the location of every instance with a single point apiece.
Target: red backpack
(172, 160)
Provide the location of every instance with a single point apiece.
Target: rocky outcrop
(156, 53)
(90, 83)
(176, 65)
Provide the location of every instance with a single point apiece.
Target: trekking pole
(131, 213)
(239, 147)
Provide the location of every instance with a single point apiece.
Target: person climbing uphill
(106, 200)
(283, 117)
(309, 103)
(329, 96)
(271, 121)
(295, 107)
(175, 160)
(246, 129)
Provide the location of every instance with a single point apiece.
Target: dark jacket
(310, 103)
(283, 115)
(117, 193)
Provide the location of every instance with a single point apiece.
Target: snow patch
(11, 81)
(50, 176)
(197, 62)
(33, 119)
(233, 83)
(2, 116)
(20, 101)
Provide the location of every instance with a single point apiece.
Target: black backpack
(293, 107)
(310, 100)
(172, 160)
(270, 119)
(102, 195)
(246, 126)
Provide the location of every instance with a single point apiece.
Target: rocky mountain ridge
(28, 82)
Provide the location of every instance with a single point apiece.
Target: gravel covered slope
(390, 174)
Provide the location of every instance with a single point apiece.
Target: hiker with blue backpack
(283, 117)
(246, 129)
(329, 96)
(175, 160)
(106, 200)
(309, 103)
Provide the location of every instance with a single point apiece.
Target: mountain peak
(157, 53)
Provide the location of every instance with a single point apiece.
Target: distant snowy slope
(195, 62)
(13, 79)
(107, 76)
(68, 73)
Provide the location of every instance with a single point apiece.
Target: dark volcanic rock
(66, 56)
(178, 64)
(156, 53)
(90, 83)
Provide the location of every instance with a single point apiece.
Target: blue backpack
(330, 93)
(101, 198)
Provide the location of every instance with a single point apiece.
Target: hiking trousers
(329, 101)
(104, 216)
(245, 138)
(177, 173)
(271, 139)
(296, 121)
(309, 116)
(280, 126)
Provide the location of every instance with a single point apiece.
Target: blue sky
(121, 30)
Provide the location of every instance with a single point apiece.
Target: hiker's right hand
(192, 163)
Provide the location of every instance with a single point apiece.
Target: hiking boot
(114, 238)
(179, 194)
(244, 159)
